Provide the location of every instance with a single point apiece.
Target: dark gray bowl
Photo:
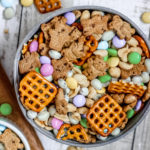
(132, 124)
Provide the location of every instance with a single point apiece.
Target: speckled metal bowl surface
(9, 124)
(133, 123)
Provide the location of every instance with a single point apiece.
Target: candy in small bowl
(11, 138)
(82, 76)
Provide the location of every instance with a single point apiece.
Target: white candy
(97, 97)
(127, 80)
(101, 137)
(2, 146)
(145, 77)
(54, 54)
(108, 35)
(49, 78)
(67, 90)
(52, 110)
(67, 98)
(147, 64)
(44, 109)
(62, 83)
(0, 132)
(116, 132)
(43, 116)
(84, 91)
(73, 121)
(105, 84)
(137, 80)
(70, 73)
(31, 114)
(55, 131)
(96, 84)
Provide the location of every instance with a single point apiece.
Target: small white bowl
(9, 124)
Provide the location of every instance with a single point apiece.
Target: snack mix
(9, 140)
(84, 75)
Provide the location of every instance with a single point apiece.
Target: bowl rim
(33, 31)
(9, 124)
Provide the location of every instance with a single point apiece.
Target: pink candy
(56, 123)
(33, 46)
(46, 70)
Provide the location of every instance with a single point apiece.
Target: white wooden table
(23, 22)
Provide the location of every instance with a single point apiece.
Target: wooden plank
(8, 42)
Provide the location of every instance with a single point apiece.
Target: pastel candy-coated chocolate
(79, 67)
(102, 138)
(83, 122)
(7, 3)
(112, 52)
(56, 123)
(79, 100)
(146, 17)
(134, 58)
(5, 109)
(105, 58)
(31, 114)
(105, 78)
(102, 45)
(43, 115)
(2, 128)
(130, 113)
(108, 35)
(37, 69)
(26, 3)
(9, 13)
(54, 54)
(49, 78)
(33, 46)
(45, 60)
(46, 70)
(116, 132)
(96, 84)
(118, 43)
(138, 105)
(70, 16)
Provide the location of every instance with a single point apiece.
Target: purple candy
(56, 123)
(45, 60)
(46, 70)
(138, 105)
(33, 46)
(118, 43)
(83, 116)
(79, 100)
(70, 18)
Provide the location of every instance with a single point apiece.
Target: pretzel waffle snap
(61, 131)
(128, 88)
(105, 115)
(78, 133)
(45, 6)
(92, 43)
(143, 45)
(36, 92)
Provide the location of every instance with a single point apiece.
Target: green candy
(105, 58)
(104, 78)
(79, 67)
(134, 58)
(83, 122)
(130, 113)
(5, 109)
(112, 52)
(37, 69)
(142, 84)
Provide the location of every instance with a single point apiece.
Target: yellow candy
(26, 3)
(113, 61)
(146, 17)
(102, 91)
(71, 83)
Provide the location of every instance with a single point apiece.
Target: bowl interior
(9, 124)
(131, 124)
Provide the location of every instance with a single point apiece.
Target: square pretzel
(45, 6)
(36, 92)
(105, 115)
